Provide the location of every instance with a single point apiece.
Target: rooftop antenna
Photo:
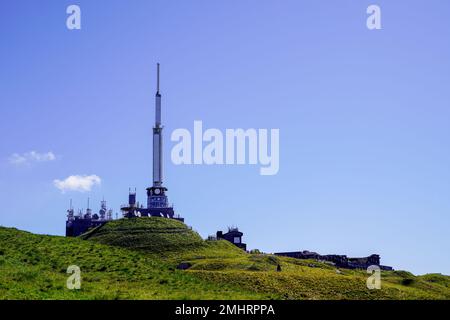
(88, 204)
(70, 204)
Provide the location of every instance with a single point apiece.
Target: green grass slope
(137, 259)
(34, 267)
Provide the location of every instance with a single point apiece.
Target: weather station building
(79, 223)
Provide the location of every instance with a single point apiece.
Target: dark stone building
(340, 261)
(234, 236)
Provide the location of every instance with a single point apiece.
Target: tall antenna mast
(157, 136)
(157, 78)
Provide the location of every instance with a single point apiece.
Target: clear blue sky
(363, 117)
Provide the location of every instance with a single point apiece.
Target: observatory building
(157, 201)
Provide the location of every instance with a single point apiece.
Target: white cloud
(77, 183)
(30, 157)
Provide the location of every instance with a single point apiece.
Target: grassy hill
(150, 234)
(137, 259)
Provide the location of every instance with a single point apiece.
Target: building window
(237, 240)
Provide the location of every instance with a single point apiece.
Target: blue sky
(363, 117)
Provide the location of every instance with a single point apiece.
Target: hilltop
(138, 259)
(151, 234)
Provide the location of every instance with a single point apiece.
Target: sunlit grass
(137, 259)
